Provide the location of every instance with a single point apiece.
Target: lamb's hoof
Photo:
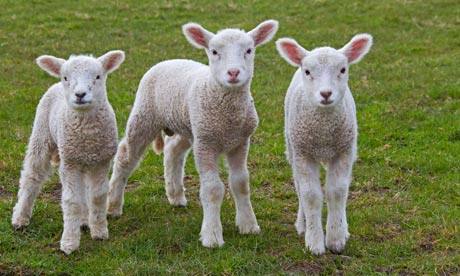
(178, 202)
(114, 211)
(84, 227)
(300, 227)
(20, 223)
(69, 247)
(100, 235)
(337, 245)
(212, 240)
(249, 228)
(317, 249)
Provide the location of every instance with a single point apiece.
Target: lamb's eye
(249, 51)
(343, 70)
(214, 52)
(65, 78)
(307, 72)
(98, 77)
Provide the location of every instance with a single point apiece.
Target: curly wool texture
(316, 132)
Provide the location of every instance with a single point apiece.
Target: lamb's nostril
(233, 73)
(326, 94)
(80, 95)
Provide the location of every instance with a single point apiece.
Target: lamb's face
(231, 57)
(84, 80)
(325, 76)
(231, 51)
(83, 77)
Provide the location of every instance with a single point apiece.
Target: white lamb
(207, 108)
(320, 126)
(75, 126)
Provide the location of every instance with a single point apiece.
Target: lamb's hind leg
(337, 183)
(239, 186)
(140, 132)
(36, 170)
(175, 151)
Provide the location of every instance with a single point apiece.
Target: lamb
(207, 108)
(321, 127)
(74, 126)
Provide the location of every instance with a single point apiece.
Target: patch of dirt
(304, 268)
(448, 271)
(13, 271)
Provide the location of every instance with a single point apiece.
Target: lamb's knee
(212, 193)
(239, 182)
(335, 194)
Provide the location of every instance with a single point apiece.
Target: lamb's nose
(233, 73)
(80, 95)
(326, 94)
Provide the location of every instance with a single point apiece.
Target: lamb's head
(231, 51)
(325, 69)
(83, 77)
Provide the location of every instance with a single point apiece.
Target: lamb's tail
(158, 144)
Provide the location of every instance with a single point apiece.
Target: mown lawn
(404, 203)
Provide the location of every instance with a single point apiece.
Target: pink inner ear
(263, 33)
(197, 36)
(291, 51)
(356, 49)
(52, 66)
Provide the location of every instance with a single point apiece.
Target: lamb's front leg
(211, 195)
(306, 176)
(239, 186)
(337, 183)
(97, 201)
(72, 199)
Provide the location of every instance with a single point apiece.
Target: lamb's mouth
(326, 102)
(80, 102)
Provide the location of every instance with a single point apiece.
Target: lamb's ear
(264, 32)
(197, 35)
(291, 51)
(357, 48)
(111, 60)
(51, 64)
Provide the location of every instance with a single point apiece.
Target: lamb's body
(321, 128)
(74, 126)
(180, 96)
(207, 108)
(321, 134)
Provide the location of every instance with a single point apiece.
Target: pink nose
(326, 94)
(233, 73)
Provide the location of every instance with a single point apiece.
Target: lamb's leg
(306, 175)
(97, 201)
(175, 151)
(300, 224)
(36, 170)
(211, 195)
(139, 134)
(85, 208)
(239, 186)
(72, 199)
(337, 183)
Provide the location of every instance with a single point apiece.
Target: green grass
(404, 204)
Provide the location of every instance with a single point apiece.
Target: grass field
(404, 203)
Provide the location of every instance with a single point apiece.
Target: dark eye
(214, 52)
(343, 70)
(307, 72)
(98, 77)
(249, 51)
(65, 78)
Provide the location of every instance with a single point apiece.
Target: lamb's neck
(231, 94)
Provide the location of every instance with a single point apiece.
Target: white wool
(320, 126)
(74, 126)
(207, 108)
